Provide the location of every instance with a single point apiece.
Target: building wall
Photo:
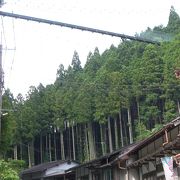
(133, 174)
(119, 174)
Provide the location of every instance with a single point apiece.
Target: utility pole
(1, 80)
(1, 87)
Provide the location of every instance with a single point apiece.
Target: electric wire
(14, 52)
(5, 49)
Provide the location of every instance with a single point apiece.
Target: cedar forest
(120, 96)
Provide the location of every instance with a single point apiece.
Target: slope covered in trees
(118, 97)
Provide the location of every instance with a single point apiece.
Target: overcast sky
(41, 48)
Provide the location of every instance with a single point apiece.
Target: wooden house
(139, 161)
(56, 170)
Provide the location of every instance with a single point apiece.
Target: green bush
(9, 170)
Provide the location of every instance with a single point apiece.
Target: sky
(33, 51)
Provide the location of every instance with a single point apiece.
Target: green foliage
(141, 131)
(76, 63)
(157, 128)
(173, 25)
(8, 124)
(160, 33)
(9, 170)
(136, 79)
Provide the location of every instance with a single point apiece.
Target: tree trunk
(31, 153)
(138, 109)
(62, 145)
(91, 141)
(41, 149)
(87, 157)
(29, 156)
(50, 154)
(178, 104)
(102, 139)
(121, 129)
(81, 142)
(21, 150)
(116, 134)
(46, 144)
(125, 130)
(15, 152)
(77, 145)
(110, 135)
(130, 126)
(55, 148)
(69, 143)
(73, 142)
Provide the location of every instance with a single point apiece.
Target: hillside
(118, 97)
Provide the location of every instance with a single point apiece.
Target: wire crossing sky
(41, 48)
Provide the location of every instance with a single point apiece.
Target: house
(149, 153)
(102, 168)
(143, 160)
(139, 161)
(56, 170)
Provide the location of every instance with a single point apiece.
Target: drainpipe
(166, 138)
(119, 166)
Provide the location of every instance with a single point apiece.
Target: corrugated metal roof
(60, 169)
(111, 156)
(43, 167)
(115, 156)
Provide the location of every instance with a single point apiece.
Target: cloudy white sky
(40, 48)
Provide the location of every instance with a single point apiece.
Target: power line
(13, 57)
(83, 28)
